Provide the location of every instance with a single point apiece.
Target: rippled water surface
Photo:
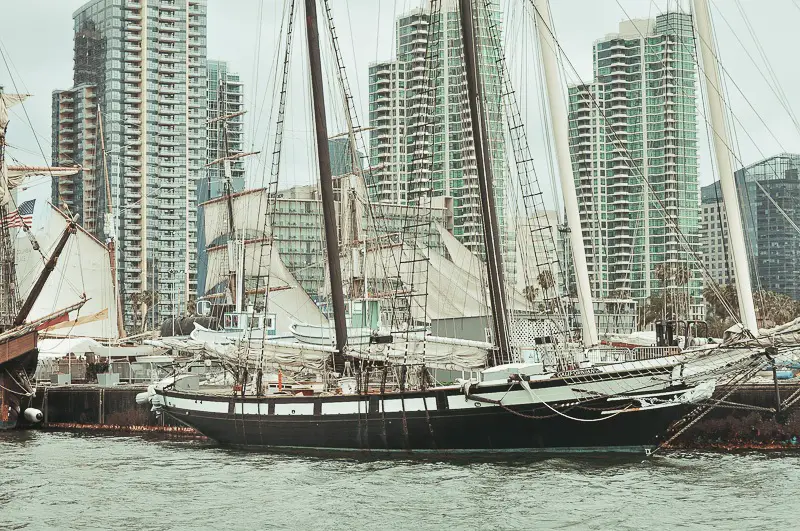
(68, 481)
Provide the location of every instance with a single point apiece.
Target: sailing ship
(19, 325)
(381, 397)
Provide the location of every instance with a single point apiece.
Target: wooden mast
(111, 234)
(326, 181)
(491, 228)
(48, 268)
(236, 248)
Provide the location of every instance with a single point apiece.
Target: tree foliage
(772, 308)
(141, 301)
(531, 293)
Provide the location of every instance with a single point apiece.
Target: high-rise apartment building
(420, 143)
(768, 198)
(224, 98)
(636, 124)
(713, 234)
(342, 156)
(145, 63)
(76, 141)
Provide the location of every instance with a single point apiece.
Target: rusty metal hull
(13, 399)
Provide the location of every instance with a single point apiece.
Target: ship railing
(651, 353)
(604, 355)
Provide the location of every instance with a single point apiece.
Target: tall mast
(237, 270)
(236, 248)
(109, 227)
(8, 283)
(716, 103)
(558, 118)
(26, 307)
(326, 182)
(491, 228)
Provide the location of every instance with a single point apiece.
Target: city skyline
(418, 112)
(40, 73)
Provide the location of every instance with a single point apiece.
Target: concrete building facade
(76, 141)
(420, 143)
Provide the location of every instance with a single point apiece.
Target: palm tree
(681, 275)
(531, 292)
(191, 305)
(141, 302)
(546, 280)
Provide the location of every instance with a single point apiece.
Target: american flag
(22, 215)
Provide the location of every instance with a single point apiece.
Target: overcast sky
(37, 37)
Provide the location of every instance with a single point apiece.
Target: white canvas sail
(454, 289)
(474, 267)
(82, 270)
(250, 210)
(453, 292)
(287, 298)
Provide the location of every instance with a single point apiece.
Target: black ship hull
(597, 425)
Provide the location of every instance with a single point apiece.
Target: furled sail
(7, 183)
(250, 210)
(83, 270)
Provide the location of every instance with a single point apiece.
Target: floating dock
(91, 407)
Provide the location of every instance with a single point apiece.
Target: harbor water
(73, 481)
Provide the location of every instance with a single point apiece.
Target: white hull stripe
(644, 386)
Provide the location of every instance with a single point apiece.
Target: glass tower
(768, 192)
(636, 124)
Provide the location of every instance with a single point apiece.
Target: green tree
(771, 308)
(531, 292)
(546, 280)
(141, 301)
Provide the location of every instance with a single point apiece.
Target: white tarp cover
(60, 347)
(83, 269)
